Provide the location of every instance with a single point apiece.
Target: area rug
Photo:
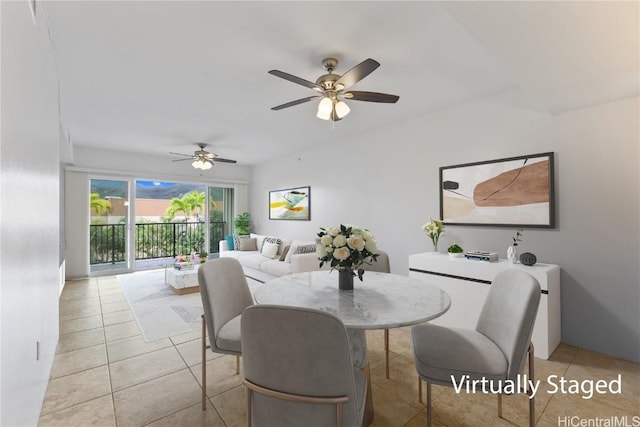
(159, 311)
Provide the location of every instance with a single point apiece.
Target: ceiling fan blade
(221, 160)
(180, 154)
(358, 73)
(370, 96)
(295, 79)
(296, 102)
(182, 160)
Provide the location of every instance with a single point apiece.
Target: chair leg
(499, 405)
(247, 392)
(532, 403)
(428, 404)
(204, 364)
(237, 365)
(386, 350)
(419, 389)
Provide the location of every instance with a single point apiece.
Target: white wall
(29, 209)
(387, 181)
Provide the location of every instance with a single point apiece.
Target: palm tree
(195, 200)
(178, 205)
(100, 206)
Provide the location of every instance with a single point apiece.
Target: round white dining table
(379, 301)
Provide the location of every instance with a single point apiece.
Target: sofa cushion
(254, 260)
(284, 253)
(275, 240)
(236, 241)
(294, 246)
(305, 249)
(275, 267)
(270, 249)
(259, 239)
(229, 239)
(247, 245)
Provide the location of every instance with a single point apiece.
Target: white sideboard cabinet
(467, 283)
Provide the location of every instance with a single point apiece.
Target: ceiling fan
(332, 87)
(202, 159)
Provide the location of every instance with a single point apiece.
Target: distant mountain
(150, 189)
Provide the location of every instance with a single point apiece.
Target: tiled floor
(105, 374)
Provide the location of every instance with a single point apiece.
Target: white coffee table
(182, 281)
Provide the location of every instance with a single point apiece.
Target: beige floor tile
(191, 352)
(121, 330)
(138, 369)
(82, 324)
(71, 390)
(76, 294)
(97, 412)
(80, 339)
(112, 307)
(79, 360)
(188, 336)
(402, 382)
(156, 399)
(388, 410)
(110, 291)
(192, 416)
(221, 375)
(133, 346)
(76, 310)
(118, 317)
(108, 299)
(231, 405)
(108, 282)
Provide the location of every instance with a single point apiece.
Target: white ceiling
(154, 77)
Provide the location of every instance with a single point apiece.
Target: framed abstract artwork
(290, 203)
(513, 192)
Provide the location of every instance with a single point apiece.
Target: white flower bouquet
(346, 247)
(434, 230)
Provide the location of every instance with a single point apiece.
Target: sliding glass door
(109, 225)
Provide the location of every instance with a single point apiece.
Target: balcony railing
(152, 240)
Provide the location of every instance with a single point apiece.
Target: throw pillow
(269, 249)
(274, 240)
(236, 241)
(247, 245)
(294, 247)
(229, 239)
(305, 249)
(285, 251)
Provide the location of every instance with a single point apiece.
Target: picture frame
(510, 192)
(290, 204)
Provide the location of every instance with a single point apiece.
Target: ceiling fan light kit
(332, 89)
(202, 159)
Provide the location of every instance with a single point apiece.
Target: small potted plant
(203, 257)
(455, 251)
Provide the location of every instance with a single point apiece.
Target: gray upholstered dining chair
(225, 294)
(382, 265)
(298, 369)
(496, 350)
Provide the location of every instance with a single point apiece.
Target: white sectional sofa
(261, 268)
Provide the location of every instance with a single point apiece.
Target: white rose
(339, 241)
(356, 242)
(357, 230)
(320, 251)
(328, 249)
(341, 253)
(334, 231)
(366, 234)
(371, 246)
(326, 240)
